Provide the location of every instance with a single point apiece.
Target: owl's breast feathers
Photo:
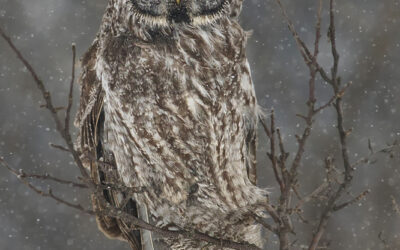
(180, 117)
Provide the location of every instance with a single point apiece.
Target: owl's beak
(178, 2)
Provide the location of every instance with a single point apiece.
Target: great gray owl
(167, 99)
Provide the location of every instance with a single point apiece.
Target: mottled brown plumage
(167, 97)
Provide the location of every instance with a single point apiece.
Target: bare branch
(180, 233)
(52, 178)
(348, 170)
(312, 195)
(71, 92)
(311, 96)
(22, 177)
(305, 52)
(283, 154)
(49, 105)
(272, 155)
(355, 200)
(290, 178)
(333, 98)
(59, 147)
(369, 159)
(336, 101)
(300, 44)
(265, 224)
(117, 213)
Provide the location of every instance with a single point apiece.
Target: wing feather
(251, 142)
(90, 122)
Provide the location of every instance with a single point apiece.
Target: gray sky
(369, 45)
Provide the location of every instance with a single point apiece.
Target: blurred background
(368, 40)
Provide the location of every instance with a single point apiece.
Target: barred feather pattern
(179, 108)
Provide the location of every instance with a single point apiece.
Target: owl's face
(167, 12)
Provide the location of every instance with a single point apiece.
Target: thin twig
(311, 97)
(71, 92)
(49, 177)
(305, 52)
(283, 155)
(272, 155)
(321, 188)
(49, 105)
(49, 193)
(348, 170)
(300, 44)
(369, 159)
(340, 94)
(350, 202)
(265, 224)
(59, 147)
(22, 175)
(290, 178)
(336, 100)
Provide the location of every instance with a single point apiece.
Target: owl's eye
(207, 7)
(165, 12)
(150, 7)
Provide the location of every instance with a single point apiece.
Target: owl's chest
(161, 75)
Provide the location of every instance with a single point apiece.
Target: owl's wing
(90, 122)
(251, 142)
(107, 174)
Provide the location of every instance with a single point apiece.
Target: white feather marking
(191, 103)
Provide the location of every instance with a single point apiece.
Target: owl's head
(194, 12)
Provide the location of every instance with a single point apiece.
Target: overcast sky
(369, 46)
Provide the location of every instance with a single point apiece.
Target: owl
(168, 105)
